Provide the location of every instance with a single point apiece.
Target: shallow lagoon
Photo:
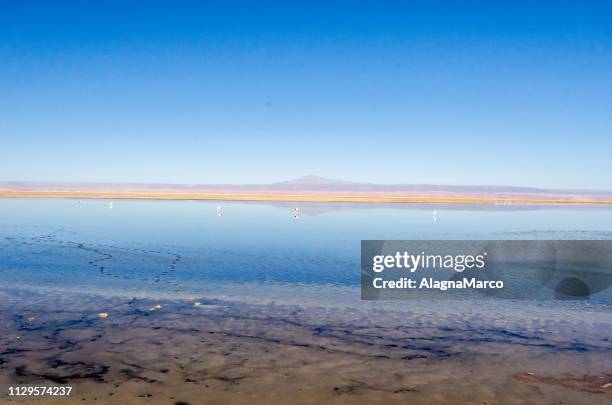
(258, 304)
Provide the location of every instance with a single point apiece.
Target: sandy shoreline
(302, 197)
(224, 352)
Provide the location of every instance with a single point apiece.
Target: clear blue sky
(446, 92)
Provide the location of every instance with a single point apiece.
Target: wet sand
(213, 351)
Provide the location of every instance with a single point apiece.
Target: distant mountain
(311, 180)
(313, 184)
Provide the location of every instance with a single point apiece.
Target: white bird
(296, 213)
(220, 211)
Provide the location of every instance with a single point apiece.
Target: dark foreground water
(171, 302)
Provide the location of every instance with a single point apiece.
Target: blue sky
(445, 92)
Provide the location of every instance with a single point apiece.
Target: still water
(256, 303)
(187, 244)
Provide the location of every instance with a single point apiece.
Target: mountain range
(312, 186)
